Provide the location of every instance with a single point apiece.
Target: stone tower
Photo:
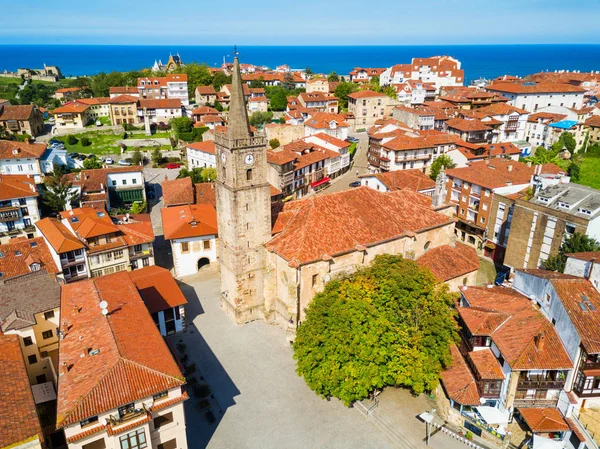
(243, 211)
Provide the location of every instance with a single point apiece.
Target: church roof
(328, 225)
(239, 127)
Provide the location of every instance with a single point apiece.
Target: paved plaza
(259, 400)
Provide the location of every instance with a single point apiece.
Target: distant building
(364, 75)
(437, 70)
(123, 90)
(319, 101)
(414, 180)
(173, 63)
(171, 86)
(333, 125)
(205, 95)
(124, 110)
(21, 119)
(532, 96)
(159, 111)
(368, 107)
(67, 93)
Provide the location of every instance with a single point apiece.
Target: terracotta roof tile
(72, 107)
(486, 365)
(189, 221)
(529, 88)
(544, 420)
(177, 192)
(136, 233)
(157, 288)
(365, 94)
(88, 222)
(17, 186)
(458, 381)
(205, 193)
(57, 234)
(493, 175)
(124, 99)
(449, 262)
(587, 256)
(128, 366)
(336, 223)
(127, 90)
(16, 112)
(163, 103)
(467, 125)
(95, 180)
(524, 337)
(10, 149)
(412, 179)
(593, 121)
(207, 146)
(18, 411)
(19, 254)
(205, 90)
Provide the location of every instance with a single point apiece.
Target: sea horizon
(478, 60)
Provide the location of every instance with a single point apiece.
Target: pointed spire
(239, 127)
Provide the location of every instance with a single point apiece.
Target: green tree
(197, 74)
(156, 156)
(209, 174)
(576, 243)
(260, 118)
(136, 157)
(288, 81)
(85, 141)
(566, 140)
(219, 80)
(390, 91)
(343, 90)
(573, 170)
(92, 163)
(72, 140)
(258, 83)
(333, 77)
(390, 324)
(441, 161)
(308, 72)
(274, 143)
(218, 106)
(199, 175)
(57, 192)
(278, 100)
(182, 125)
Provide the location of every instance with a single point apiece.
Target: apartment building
(192, 231)
(21, 119)
(591, 127)
(333, 125)
(73, 114)
(508, 122)
(17, 399)
(421, 118)
(470, 98)
(68, 252)
(18, 206)
(117, 389)
(538, 131)
(30, 308)
(532, 96)
(472, 189)
(201, 154)
(123, 110)
(339, 162)
(466, 153)
(172, 86)
(364, 74)
(414, 92)
(368, 107)
(159, 111)
(319, 101)
(471, 130)
(539, 223)
(98, 107)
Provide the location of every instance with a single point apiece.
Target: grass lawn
(102, 143)
(487, 271)
(104, 120)
(5, 80)
(142, 135)
(590, 172)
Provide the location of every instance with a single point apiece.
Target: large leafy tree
(342, 91)
(333, 77)
(198, 175)
(576, 243)
(57, 192)
(389, 324)
(441, 161)
(278, 100)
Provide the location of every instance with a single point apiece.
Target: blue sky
(307, 22)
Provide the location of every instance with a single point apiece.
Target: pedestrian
(356, 172)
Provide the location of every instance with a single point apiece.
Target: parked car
(74, 155)
(352, 140)
(98, 123)
(173, 165)
(108, 161)
(122, 162)
(90, 156)
(354, 184)
(81, 157)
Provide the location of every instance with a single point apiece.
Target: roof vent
(92, 352)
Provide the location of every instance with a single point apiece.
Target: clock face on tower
(249, 159)
(223, 156)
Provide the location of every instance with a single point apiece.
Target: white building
(159, 111)
(508, 122)
(192, 231)
(117, 389)
(20, 158)
(533, 96)
(201, 154)
(333, 165)
(585, 265)
(438, 70)
(18, 206)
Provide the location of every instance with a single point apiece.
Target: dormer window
(584, 211)
(34, 267)
(563, 205)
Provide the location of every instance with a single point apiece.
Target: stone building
(21, 119)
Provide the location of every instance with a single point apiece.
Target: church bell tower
(243, 211)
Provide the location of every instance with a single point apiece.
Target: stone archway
(203, 262)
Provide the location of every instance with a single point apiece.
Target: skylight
(1, 254)
(74, 220)
(33, 244)
(586, 304)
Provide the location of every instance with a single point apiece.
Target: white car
(122, 162)
(108, 161)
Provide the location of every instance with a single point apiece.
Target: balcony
(9, 213)
(134, 415)
(537, 403)
(419, 157)
(540, 384)
(137, 254)
(69, 262)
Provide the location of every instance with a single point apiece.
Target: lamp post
(428, 418)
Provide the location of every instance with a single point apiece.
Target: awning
(492, 415)
(546, 443)
(320, 182)
(591, 372)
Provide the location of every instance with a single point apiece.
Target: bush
(72, 140)
(125, 135)
(173, 159)
(136, 157)
(186, 137)
(274, 143)
(85, 141)
(23, 137)
(156, 156)
(163, 126)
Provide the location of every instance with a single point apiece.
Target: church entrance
(203, 262)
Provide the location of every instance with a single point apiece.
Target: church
(173, 63)
(274, 258)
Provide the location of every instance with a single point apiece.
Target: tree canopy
(576, 243)
(57, 192)
(441, 161)
(278, 100)
(333, 77)
(343, 90)
(198, 175)
(389, 324)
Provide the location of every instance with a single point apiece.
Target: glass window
(27, 341)
(49, 314)
(47, 334)
(185, 247)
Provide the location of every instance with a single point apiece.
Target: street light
(428, 418)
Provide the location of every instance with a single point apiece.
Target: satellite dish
(482, 401)
(103, 304)
(104, 312)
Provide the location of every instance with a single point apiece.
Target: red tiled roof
(336, 223)
(338, 143)
(57, 234)
(189, 221)
(16, 112)
(124, 99)
(18, 411)
(205, 110)
(163, 103)
(177, 192)
(486, 364)
(137, 232)
(365, 94)
(157, 288)
(593, 121)
(501, 109)
(524, 337)
(128, 366)
(123, 90)
(467, 125)
(205, 193)
(516, 88)
(458, 381)
(10, 149)
(575, 294)
(65, 90)
(405, 142)
(449, 262)
(72, 107)
(19, 254)
(544, 420)
(493, 175)
(205, 90)
(17, 186)
(587, 256)
(95, 180)
(88, 222)
(207, 146)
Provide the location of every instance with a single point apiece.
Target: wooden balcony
(9, 213)
(535, 403)
(419, 157)
(540, 384)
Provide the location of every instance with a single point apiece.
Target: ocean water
(477, 60)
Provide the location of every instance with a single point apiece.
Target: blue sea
(486, 61)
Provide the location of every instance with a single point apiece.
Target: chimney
(63, 369)
(510, 167)
(529, 164)
(540, 340)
